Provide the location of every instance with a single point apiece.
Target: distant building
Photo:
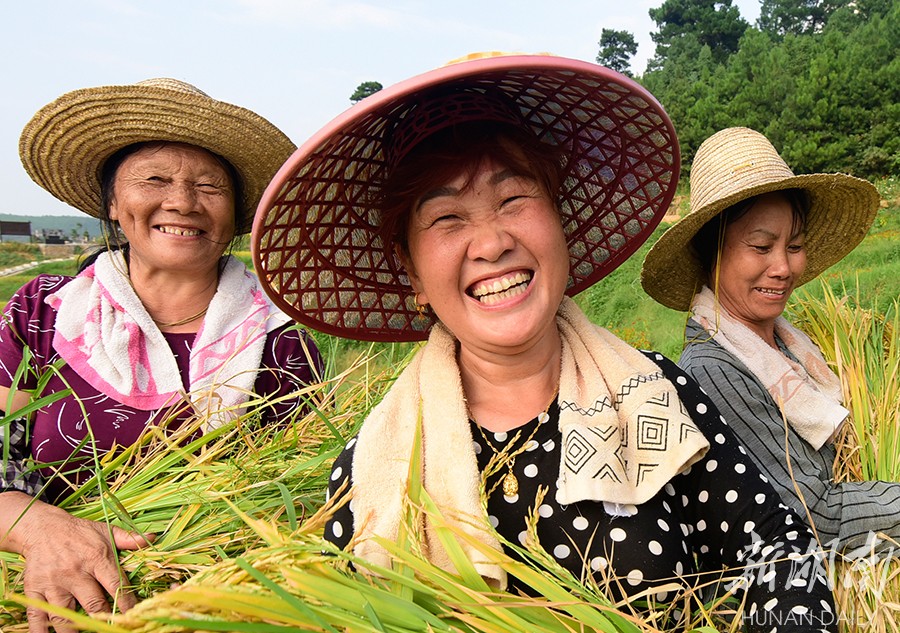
(50, 236)
(15, 231)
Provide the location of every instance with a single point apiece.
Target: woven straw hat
(738, 163)
(316, 236)
(65, 144)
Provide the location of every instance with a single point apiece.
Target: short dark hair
(461, 149)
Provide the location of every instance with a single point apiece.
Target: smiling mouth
(502, 289)
(174, 230)
(772, 293)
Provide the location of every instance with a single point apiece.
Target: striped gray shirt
(842, 514)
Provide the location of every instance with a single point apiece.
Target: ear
(410, 268)
(113, 211)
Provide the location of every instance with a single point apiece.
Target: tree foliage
(365, 89)
(826, 94)
(780, 17)
(687, 25)
(616, 50)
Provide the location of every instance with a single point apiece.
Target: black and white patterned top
(721, 513)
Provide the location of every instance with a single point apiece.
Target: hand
(71, 561)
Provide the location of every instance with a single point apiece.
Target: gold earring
(420, 307)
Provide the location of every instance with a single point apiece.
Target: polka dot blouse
(721, 513)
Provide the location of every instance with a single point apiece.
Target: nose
(180, 197)
(490, 240)
(779, 264)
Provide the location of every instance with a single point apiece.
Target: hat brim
(842, 209)
(316, 236)
(65, 144)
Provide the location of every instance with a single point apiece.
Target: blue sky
(296, 62)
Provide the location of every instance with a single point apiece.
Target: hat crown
(732, 161)
(168, 83)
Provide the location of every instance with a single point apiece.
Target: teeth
(500, 290)
(502, 296)
(177, 231)
(766, 291)
(500, 285)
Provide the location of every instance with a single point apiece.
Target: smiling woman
(490, 189)
(159, 328)
(755, 232)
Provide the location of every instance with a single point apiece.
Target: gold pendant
(510, 485)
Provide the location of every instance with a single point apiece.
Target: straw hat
(316, 240)
(65, 144)
(738, 163)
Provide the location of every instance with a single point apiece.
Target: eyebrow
(770, 235)
(762, 232)
(495, 179)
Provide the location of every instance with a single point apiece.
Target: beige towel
(808, 392)
(625, 435)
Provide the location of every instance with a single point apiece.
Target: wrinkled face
(763, 256)
(488, 253)
(175, 204)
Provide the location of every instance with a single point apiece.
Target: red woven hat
(316, 238)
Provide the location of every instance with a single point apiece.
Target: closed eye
(447, 217)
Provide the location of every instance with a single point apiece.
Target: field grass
(15, 253)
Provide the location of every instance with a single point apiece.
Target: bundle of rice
(298, 582)
(197, 492)
(241, 550)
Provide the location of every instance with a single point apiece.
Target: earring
(420, 307)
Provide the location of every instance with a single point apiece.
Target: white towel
(808, 392)
(105, 333)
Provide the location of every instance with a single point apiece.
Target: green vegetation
(821, 79)
(10, 283)
(15, 253)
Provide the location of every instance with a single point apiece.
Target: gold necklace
(182, 321)
(509, 482)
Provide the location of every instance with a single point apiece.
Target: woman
(159, 329)
(755, 232)
(503, 184)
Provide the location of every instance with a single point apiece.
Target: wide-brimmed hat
(738, 163)
(317, 240)
(65, 144)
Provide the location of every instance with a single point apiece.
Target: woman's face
(175, 204)
(763, 256)
(489, 255)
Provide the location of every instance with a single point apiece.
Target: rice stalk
(232, 557)
(299, 582)
(863, 347)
